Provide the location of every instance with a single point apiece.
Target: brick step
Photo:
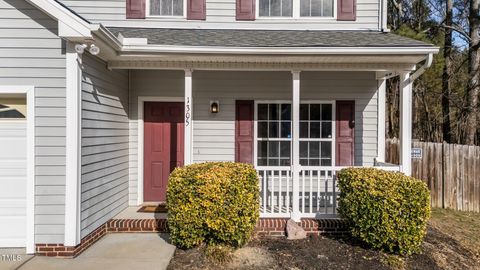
(264, 227)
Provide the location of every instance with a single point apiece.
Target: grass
(461, 226)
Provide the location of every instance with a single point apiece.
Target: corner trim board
(73, 146)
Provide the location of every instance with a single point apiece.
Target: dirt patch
(451, 243)
(251, 258)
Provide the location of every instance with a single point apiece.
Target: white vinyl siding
(105, 139)
(214, 134)
(31, 53)
(221, 14)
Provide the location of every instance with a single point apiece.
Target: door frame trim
(140, 140)
(29, 92)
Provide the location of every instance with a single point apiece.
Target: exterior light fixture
(214, 106)
(80, 48)
(93, 49)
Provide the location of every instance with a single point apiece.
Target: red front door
(163, 146)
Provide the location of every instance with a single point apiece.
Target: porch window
(166, 7)
(274, 134)
(316, 134)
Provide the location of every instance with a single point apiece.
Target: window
(275, 8)
(316, 8)
(13, 108)
(274, 134)
(166, 7)
(316, 134)
(302, 8)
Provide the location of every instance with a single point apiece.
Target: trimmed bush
(212, 203)
(387, 210)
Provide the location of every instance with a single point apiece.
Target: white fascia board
(70, 25)
(279, 50)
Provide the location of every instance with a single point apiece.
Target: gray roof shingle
(267, 38)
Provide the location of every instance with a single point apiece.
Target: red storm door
(163, 147)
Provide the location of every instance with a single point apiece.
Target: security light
(94, 50)
(80, 48)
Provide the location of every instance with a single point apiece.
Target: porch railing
(317, 196)
(317, 191)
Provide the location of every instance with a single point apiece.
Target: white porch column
(295, 166)
(381, 101)
(405, 123)
(188, 140)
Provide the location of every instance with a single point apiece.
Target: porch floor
(131, 213)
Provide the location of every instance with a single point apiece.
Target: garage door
(13, 171)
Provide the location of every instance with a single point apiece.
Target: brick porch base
(264, 227)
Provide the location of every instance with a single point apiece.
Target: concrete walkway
(12, 258)
(114, 251)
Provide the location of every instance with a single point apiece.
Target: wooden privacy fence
(451, 171)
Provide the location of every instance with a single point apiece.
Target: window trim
(256, 140)
(184, 16)
(295, 13)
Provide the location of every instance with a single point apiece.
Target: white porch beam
(406, 123)
(73, 146)
(381, 101)
(295, 166)
(188, 140)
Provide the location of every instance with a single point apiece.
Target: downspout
(421, 70)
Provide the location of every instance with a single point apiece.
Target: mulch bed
(342, 252)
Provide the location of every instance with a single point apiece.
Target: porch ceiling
(271, 62)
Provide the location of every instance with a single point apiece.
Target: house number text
(187, 112)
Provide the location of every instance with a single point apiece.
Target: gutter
(279, 50)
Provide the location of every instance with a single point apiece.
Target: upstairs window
(296, 9)
(316, 8)
(172, 8)
(275, 8)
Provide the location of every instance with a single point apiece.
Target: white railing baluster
(264, 192)
(280, 178)
(272, 187)
(318, 191)
(310, 191)
(334, 205)
(303, 191)
(288, 192)
(326, 195)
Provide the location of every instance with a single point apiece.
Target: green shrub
(387, 210)
(212, 203)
